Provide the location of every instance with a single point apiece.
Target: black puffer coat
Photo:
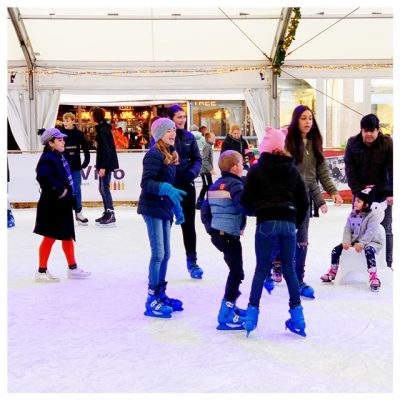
(106, 154)
(54, 216)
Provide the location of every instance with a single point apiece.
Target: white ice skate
(78, 273)
(81, 219)
(45, 277)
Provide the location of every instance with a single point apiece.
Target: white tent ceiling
(124, 36)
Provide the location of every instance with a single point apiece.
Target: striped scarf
(69, 176)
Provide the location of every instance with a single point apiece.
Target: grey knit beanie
(160, 126)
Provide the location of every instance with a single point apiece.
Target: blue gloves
(179, 217)
(174, 194)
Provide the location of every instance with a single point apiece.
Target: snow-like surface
(91, 335)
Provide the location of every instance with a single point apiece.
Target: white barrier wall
(125, 182)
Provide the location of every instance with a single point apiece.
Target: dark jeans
(77, 179)
(266, 233)
(104, 189)
(231, 247)
(369, 255)
(189, 211)
(207, 182)
(159, 231)
(387, 224)
(301, 250)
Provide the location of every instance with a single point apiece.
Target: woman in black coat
(54, 218)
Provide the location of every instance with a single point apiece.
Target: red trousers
(45, 250)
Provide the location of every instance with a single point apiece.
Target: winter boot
(251, 319)
(194, 270)
(374, 282)
(269, 285)
(277, 271)
(228, 319)
(296, 323)
(155, 308)
(306, 291)
(10, 219)
(98, 220)
(109, 219)
(331, 274)
(81, 219)
(175, 304)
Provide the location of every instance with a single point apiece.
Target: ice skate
(269, 285)
(81, 219)
(194, 270)
(98, 220)
(77, 273)
(109, 219)
(251, 319)
(175, 304)
(45, 277)
(155, 308)
(296, 323)
(10, 219)
(277, 271)
(306, 290)
(228, 319)
(330, 275)
(374, 282)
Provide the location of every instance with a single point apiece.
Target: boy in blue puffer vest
(224, 220)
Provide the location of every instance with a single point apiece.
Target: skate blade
(156, 315)
(374, 289)
(296, 331)
(111, 225)
(83, 223)
(226, 327)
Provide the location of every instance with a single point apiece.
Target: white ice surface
(91, 335)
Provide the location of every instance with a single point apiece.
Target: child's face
(358, 204)
(237, 169)
(169, 137)
(68, 123)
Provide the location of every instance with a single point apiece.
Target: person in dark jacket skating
(368, 160)
(275, 191)
(75, 142)
(54, 218)
(187, 170)
(106, 163)
(159, 201)
(235, 141)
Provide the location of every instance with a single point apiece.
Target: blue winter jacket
(155, 172)
(222, 209)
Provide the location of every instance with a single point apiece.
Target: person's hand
(63, 193)
(389, 201)
(176, 195)
(346, 245)
(324, 208)
(357, 248)
(179, 216)
(337, 199)
(102, 172)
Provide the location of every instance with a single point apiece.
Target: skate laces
(373, 278)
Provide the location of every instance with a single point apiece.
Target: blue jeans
(266, 233)
(104, 189)
(301, 251)
(77, 179)
(158, 231)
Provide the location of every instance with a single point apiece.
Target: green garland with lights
(284, 44)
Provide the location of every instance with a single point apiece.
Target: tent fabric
(257, 103)
(18, 117)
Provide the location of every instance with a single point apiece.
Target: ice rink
(90, 336)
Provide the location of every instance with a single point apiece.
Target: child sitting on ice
(362, 233)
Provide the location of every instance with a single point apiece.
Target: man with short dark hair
(369, 161)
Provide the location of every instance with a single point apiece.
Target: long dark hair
(294, 141)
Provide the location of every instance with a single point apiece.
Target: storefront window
(382, 103)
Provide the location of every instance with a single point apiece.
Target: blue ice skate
(194, 270)
(155, 308)
(175, 304)
(306, 290)
(228, 319)
(269, 285)
(251, 319)
(10, 219)
(296, 323)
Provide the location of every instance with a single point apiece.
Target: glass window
(382, 103)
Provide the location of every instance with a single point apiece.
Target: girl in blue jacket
(159, 201)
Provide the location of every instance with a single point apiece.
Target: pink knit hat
(273, 139)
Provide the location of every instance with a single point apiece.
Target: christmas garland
(284, 44)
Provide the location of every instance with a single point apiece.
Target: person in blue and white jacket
(224, 219)
(159, 201)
